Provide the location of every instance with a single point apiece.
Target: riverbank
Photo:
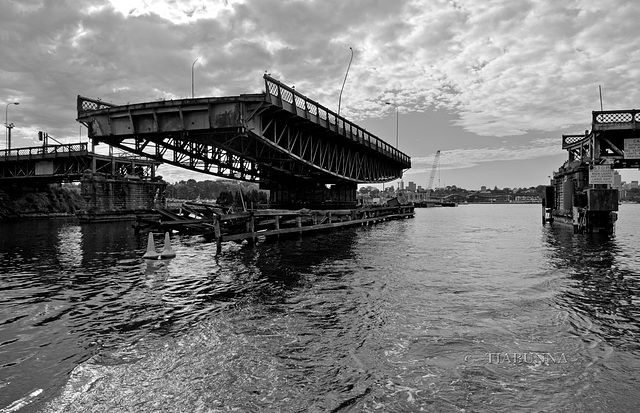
(44, 202)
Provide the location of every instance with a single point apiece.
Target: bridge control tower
(303, 153)
(582, 192)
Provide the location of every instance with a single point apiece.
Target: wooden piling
(256, 224)
(218, 235)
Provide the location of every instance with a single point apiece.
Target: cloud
(470, 157)
(504, 68)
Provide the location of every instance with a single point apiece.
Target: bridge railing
(86, 104)
(289, 99)
(615, 119)
(40, 152)
(570, 141)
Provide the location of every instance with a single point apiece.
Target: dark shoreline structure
(582, 192)
(35, 182)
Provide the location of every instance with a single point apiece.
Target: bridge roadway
(68, 162)
(296, 148)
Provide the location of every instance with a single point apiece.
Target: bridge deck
(68, 162)
(276, 136)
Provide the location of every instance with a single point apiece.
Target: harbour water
(478, 308)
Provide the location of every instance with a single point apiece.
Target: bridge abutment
(119, 198)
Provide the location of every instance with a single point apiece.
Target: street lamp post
(344, 81)
(8, 125)
(397, 121)
(397, 129)
(192, 65)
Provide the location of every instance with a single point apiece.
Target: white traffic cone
(167, 252)
(151, 253)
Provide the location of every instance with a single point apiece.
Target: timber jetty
(211, 221)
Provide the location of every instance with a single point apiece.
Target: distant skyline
(492, 84)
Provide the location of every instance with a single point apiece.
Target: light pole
(192, 65)
(397, 121)
(8, 125)
(397, 129)
(344, 81)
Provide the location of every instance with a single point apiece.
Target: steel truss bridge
(279, 138)
(68, 162)
(614, 139)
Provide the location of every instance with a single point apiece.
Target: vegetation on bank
(630, 195)
(225, 192)
(23, 202)
(454, 190)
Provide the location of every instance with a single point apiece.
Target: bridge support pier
(574, 201)
(311, 195)
(119, 199)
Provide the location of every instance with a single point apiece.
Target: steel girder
(57, 169)
(193, 151)
(319, 155)
(259, 137)
(67, 162)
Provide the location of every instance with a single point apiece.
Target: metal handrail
(40, 151)
(604, 117)
(85, 104)
(343, 126)
(570, 141)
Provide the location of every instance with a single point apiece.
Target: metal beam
(247, 135)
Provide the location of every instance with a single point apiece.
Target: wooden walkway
(252, 225)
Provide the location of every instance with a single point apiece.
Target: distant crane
(434, 168)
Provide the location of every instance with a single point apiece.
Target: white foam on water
(20, 403)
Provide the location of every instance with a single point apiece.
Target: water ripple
(476, 308)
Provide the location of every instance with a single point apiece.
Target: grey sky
(493, 84)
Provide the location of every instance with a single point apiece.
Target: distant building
(617, 180)
(488, 197)
(527, 199)
(411, 186)
(415, 197)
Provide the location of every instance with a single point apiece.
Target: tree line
(631, 195)
(225, 192)
(531, 191)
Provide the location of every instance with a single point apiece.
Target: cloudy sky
(492, 84)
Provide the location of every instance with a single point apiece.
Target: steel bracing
(276, 136)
